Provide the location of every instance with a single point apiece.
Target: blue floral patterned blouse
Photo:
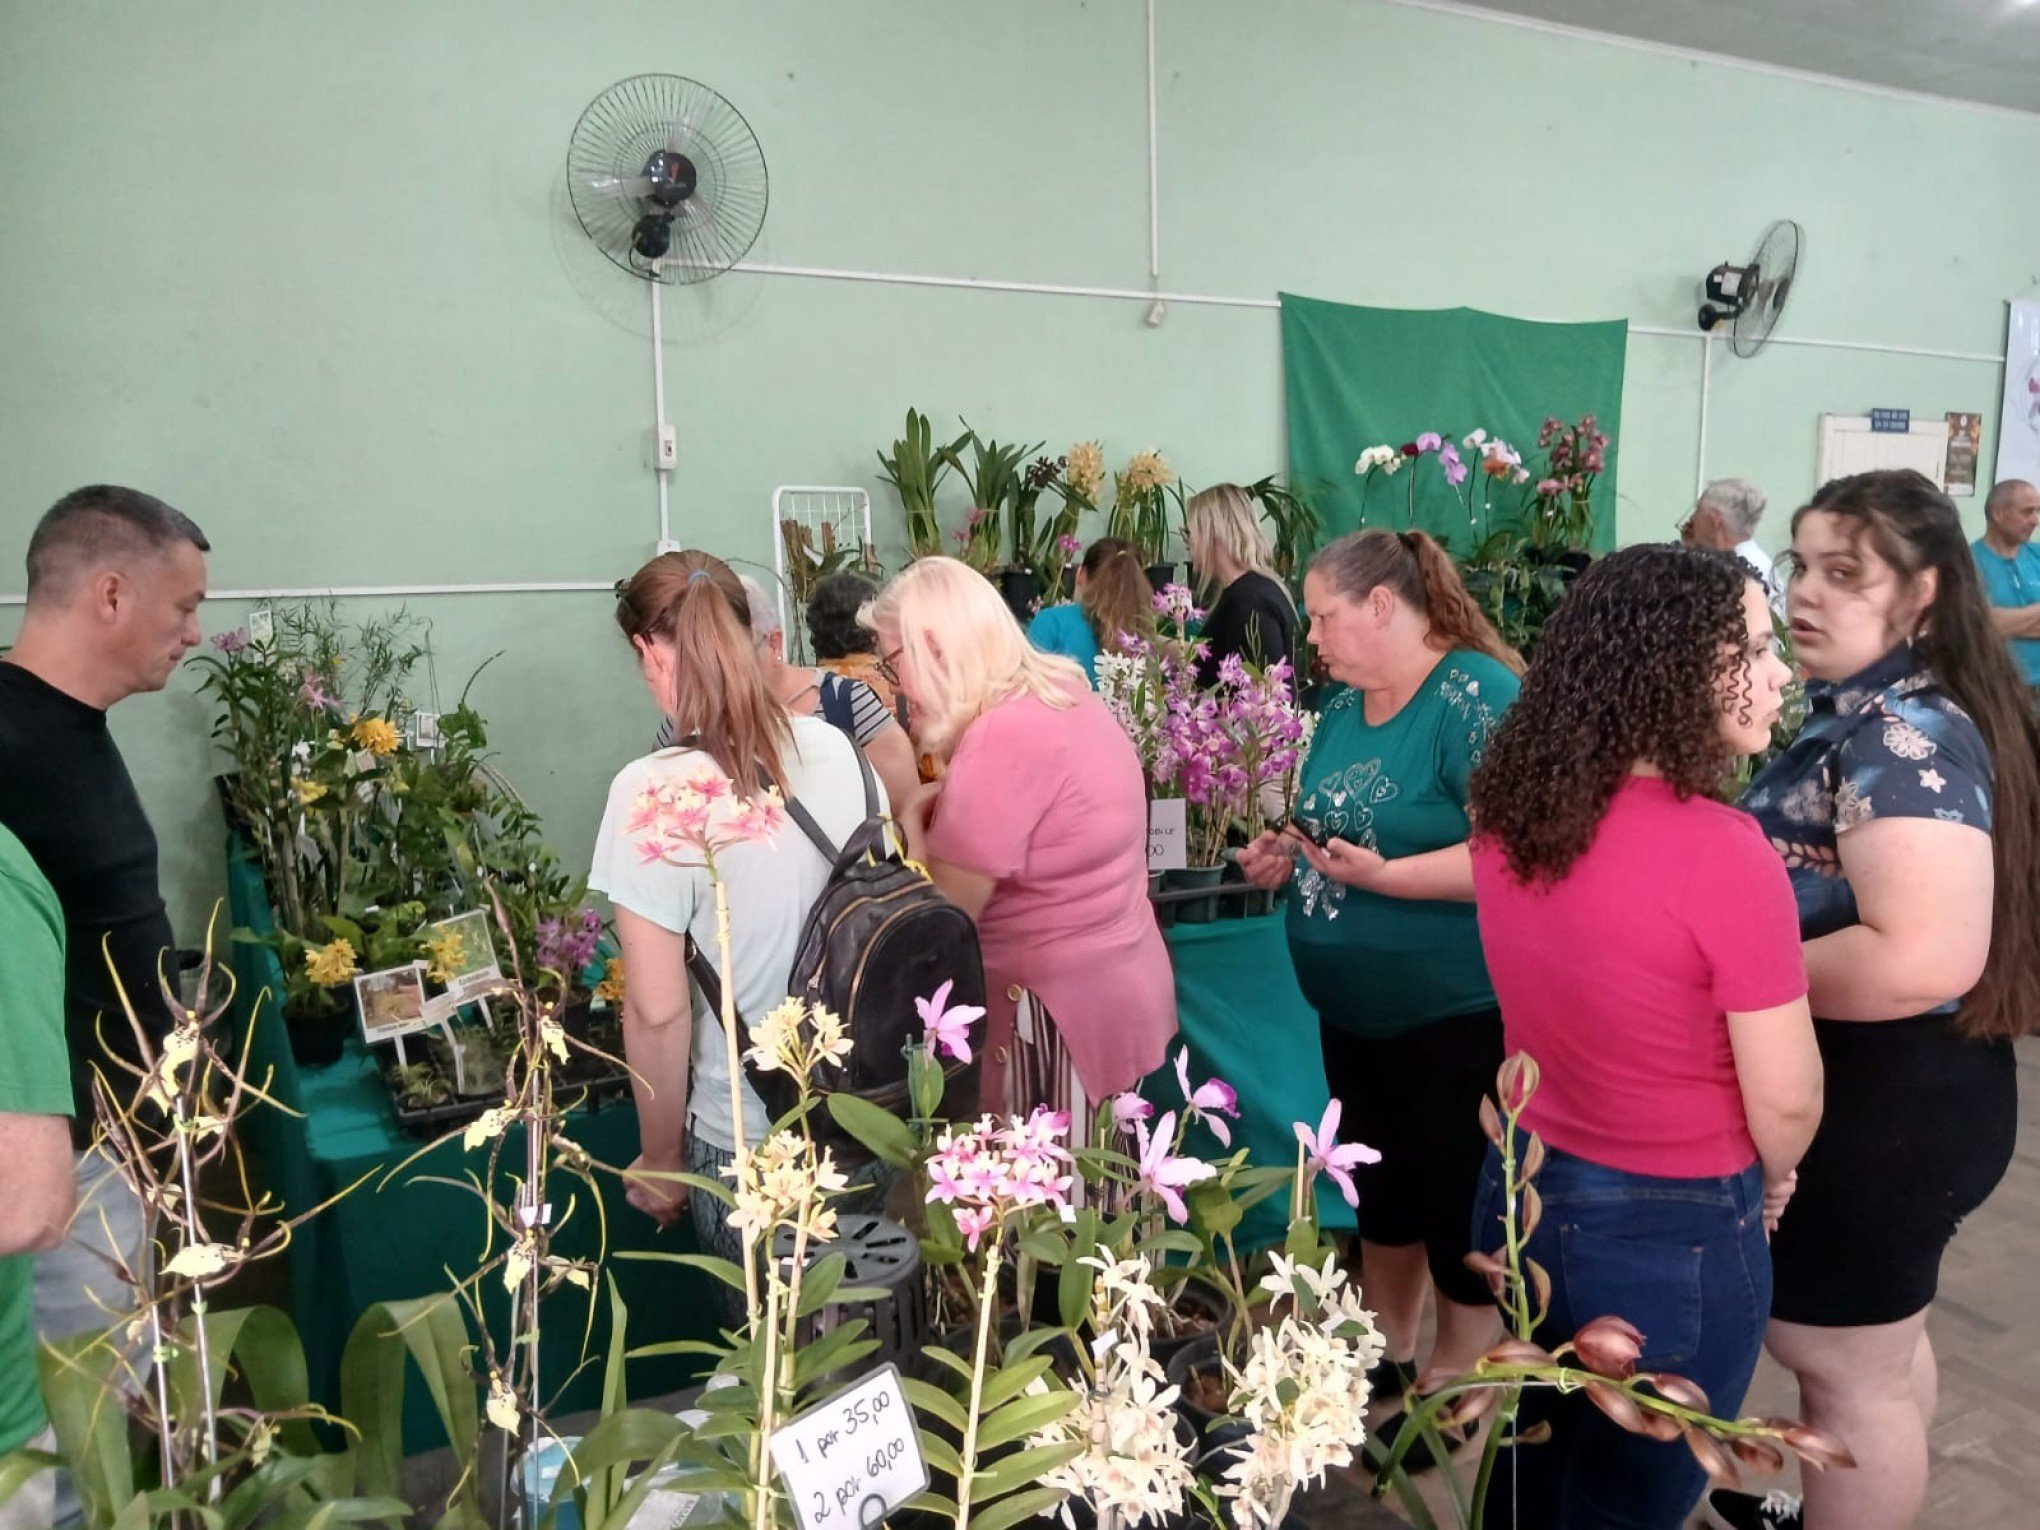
(1887, 742)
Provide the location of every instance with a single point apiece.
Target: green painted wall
(307, 270)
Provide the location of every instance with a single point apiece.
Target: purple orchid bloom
(1209, 1100)
(1128, 1108)
(1162, 1172)
(1429, 441)
(1323, 1151)
(948, 1026)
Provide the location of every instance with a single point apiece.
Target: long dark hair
(1629, 668)
(720, 699)
(1423, 577)
(1914, 527)
(1117, 599)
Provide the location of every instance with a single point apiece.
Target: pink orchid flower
(948, 1026)
(1163, 1173)
(1323, 1151)
(974, 1221)
(1209, 1100)
(1128, 1108)
(1429, 441)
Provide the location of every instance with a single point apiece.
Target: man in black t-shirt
(115, 579)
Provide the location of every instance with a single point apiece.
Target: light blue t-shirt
(2011, 583)
(1065, 630)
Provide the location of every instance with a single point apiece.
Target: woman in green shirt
(1381, 918)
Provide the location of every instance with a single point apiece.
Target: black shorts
(1415, 1099)
(1917, 1130)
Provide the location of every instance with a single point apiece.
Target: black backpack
(879, 936)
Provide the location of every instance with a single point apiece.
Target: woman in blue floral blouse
(1908, 814)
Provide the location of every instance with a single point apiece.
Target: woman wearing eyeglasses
(1037, 829)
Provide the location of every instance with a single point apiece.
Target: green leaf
(263, 1342)
(1213, 1209)
(941, 1455)
(431, 1331)
(933, 1400)
(942, 1354)
(1022, 1467)
(1033, 1504)
(832, 1351)
(818, 1285)
(78, 1385)
(724, 1270)
(876, 1127)
(1010, 1381)
(1022, 1417)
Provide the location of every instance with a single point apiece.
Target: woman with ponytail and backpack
(1381, 919)
(1115, 605)
(688, 620)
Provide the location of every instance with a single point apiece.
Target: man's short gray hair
(1738, 502)
(98, 525)
(764, 609)
(2001, 494)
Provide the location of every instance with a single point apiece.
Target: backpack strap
(709, 981)
(863, 838)
(838, 707)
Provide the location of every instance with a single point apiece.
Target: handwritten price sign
(851, 1461)
(1168, 834)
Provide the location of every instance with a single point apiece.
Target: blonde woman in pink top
(1037, 829)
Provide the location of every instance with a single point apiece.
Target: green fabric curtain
(1356, 377)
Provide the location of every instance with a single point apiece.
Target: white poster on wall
(2018, 442)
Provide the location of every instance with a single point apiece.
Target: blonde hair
(968, 653)
(1222, 519)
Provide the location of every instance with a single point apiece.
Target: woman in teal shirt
(1114, 602)
(1381, 917)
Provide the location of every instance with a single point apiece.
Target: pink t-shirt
(1618, 979)
(1050, 802)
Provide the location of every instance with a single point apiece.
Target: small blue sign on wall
(1891, 422)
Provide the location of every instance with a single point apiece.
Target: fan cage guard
(810, 521)
(636, 118)
(1763, 306)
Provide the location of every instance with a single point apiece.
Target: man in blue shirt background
(2010, 566)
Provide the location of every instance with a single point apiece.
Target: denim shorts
(1686, 1261)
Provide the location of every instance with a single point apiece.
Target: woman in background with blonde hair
(1114, 603)
(1037, 830)
(1254, 615)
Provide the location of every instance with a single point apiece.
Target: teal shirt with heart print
(1370, 964)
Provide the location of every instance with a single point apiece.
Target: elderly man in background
(1725, 518)
(2010, 566)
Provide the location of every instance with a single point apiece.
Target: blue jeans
(1686, 1261)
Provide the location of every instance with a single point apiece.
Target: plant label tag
(477, 972)
(852, 1460)
(392, 1003)
(1168, 834)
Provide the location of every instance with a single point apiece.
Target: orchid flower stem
(968, 1459)
(727, 965)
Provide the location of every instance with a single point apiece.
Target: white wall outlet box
(262, 626)
(667, 544)
(665, 448)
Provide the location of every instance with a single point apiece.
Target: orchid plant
(1497, 462)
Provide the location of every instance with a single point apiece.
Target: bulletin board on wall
(1853, 443)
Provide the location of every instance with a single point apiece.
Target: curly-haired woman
(1643, 945)
(1381, 920)
(1908, 815)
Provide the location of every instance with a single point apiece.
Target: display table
(397, 1241)
(1240, 1011)
(1248, 1023)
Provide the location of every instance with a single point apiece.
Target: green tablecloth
(1247, 1022)
(1241, 1014)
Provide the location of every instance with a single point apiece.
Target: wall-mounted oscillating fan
(667, 178)
(1751, 297)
